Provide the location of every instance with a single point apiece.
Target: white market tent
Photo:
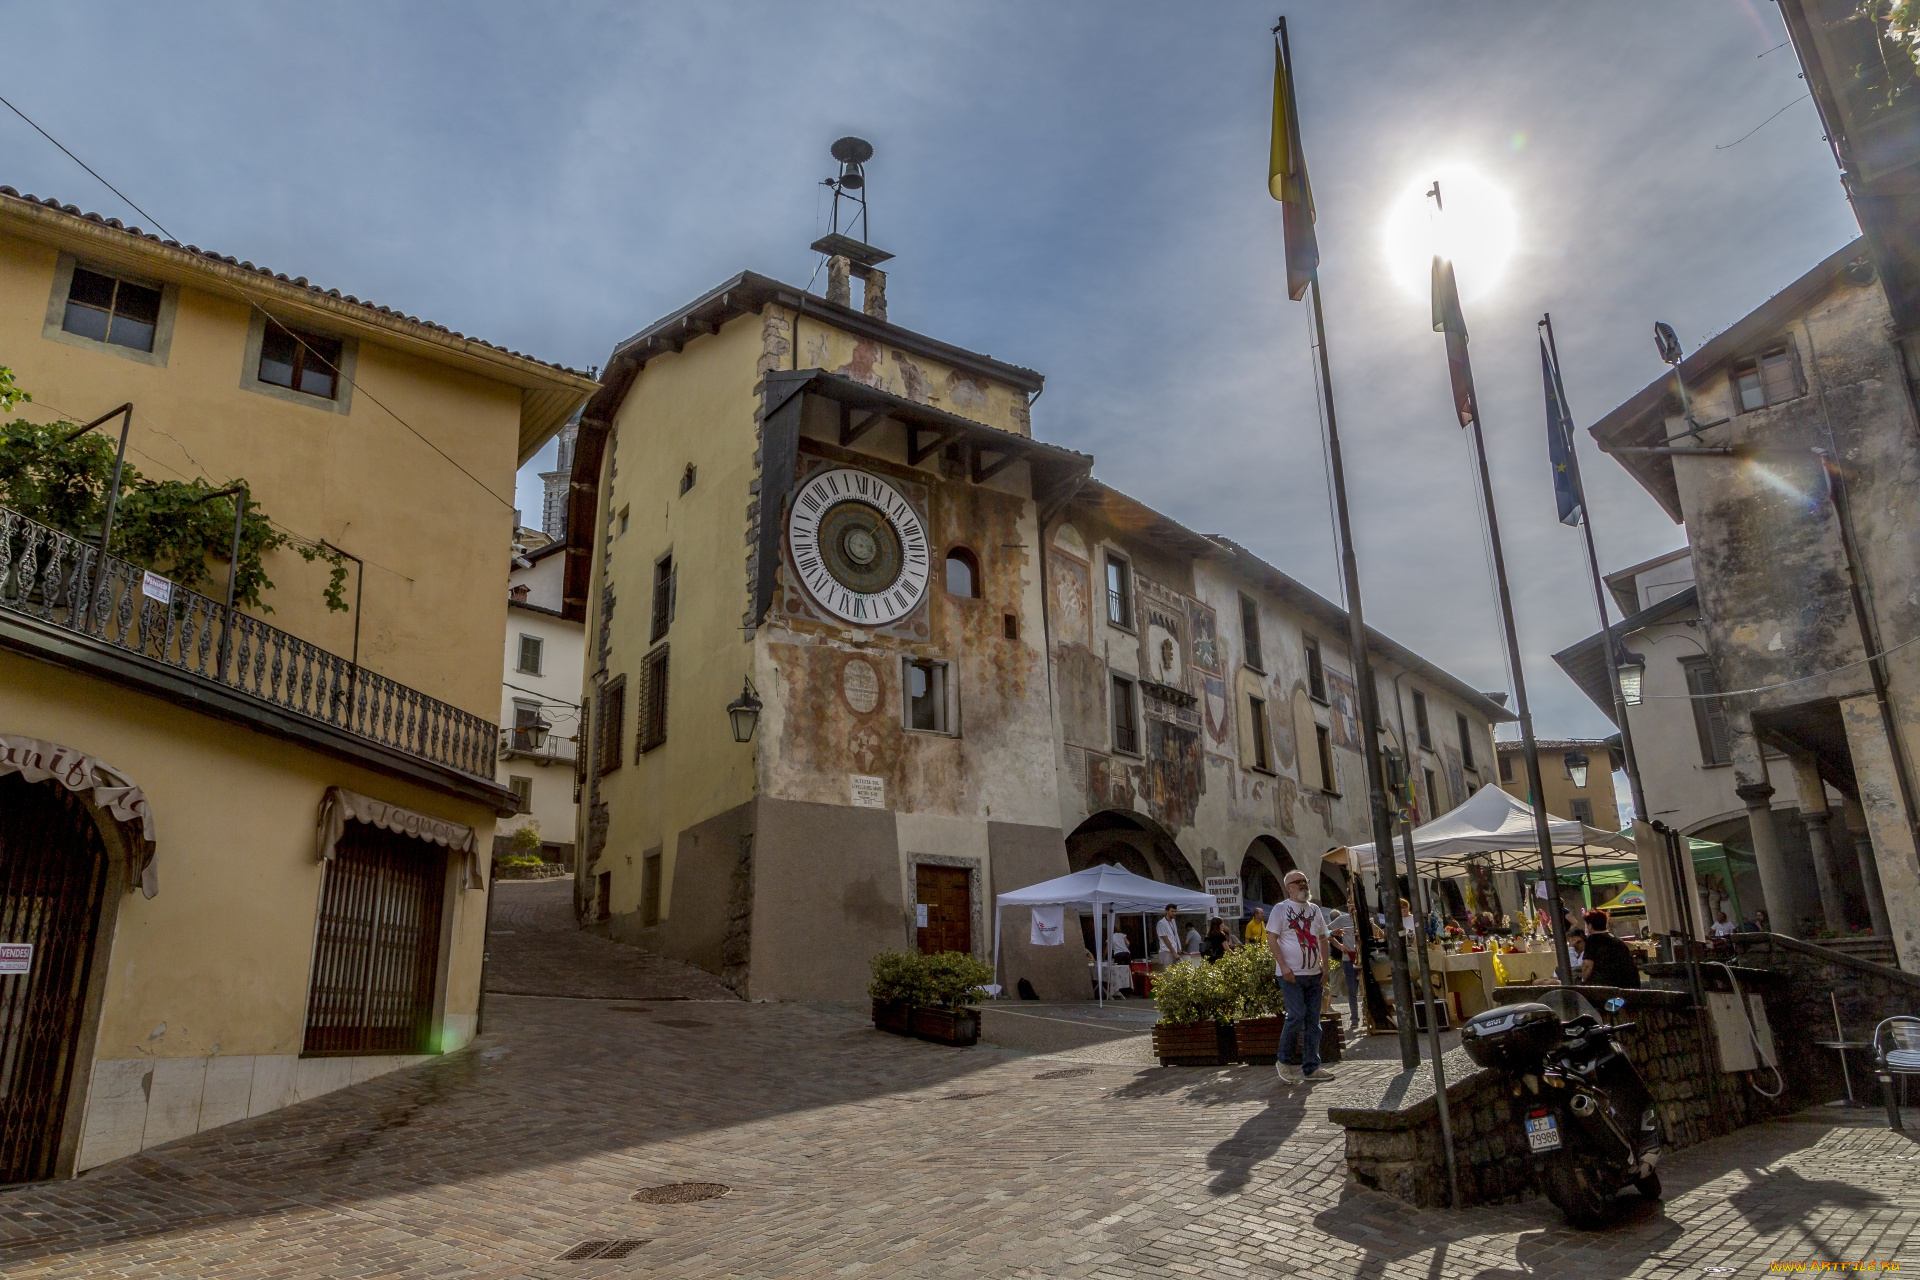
(1492, 822)
(1106, 891)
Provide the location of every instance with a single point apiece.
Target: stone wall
(1821, 979)
(1400, 1151)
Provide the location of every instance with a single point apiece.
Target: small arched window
(963, 573)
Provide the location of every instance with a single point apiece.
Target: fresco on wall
(1213, 698)
(1286, 793)
(1175, 776)
(1072, 597)
(1456, 777)
(1205, 646)
(1343, 697)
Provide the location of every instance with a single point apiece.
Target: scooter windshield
(1568, 1005)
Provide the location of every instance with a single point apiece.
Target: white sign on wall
(155, 587)
(868, 792)
(920, 915)
(16, 957)
(1226, 896)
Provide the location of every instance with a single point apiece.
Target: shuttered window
(376, 956)
(1709, 713)
(664, 582)
(613, 725)
(653, 701)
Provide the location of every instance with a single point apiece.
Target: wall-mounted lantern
(1577, 769)
(1632, 669)
(744, 711)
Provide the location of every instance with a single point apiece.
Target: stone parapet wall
(1400, 1152)
(1819, 981)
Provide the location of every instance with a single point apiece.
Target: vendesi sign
(1226, 896)
(155, 587)
(16, 957)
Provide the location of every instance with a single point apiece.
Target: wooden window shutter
(1709, 713)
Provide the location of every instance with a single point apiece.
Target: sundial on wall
(859, 547)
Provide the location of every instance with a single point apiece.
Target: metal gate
(376, 956)
(53, 873)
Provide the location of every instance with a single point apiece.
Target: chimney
(874, 296)
(839, 287)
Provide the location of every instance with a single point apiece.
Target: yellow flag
(1287, 179)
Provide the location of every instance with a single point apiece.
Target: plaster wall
(1557, 781)
(556, 687)
(431, 604)
(212, 973)
(696, 407)
(923, 380)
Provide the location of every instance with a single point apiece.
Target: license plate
(1543, 1134)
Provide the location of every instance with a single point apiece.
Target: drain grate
(1065, 1073)
(601, 1249)
(965, 1097)
(678, 1022)
(681, 1193)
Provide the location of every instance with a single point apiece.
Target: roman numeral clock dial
(858, 546)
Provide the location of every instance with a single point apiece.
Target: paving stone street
(845, 1151)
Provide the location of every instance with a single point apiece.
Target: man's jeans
(1300, 1037)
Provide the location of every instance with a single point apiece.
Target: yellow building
(1576, 774)
(239, 856)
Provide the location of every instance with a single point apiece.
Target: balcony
(62, 601)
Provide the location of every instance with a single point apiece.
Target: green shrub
(526, 840)
(898, 975)
(1195, 992)
(1248, 973)
(945, 980)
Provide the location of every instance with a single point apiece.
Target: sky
(1076, 187)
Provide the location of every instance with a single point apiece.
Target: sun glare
(1477, 230)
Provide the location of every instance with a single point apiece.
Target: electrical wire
(1767, 688)
(251, 301)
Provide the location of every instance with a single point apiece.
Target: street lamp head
(1668, 342)
(744, 712)
(1577, 768)
(1632, 670)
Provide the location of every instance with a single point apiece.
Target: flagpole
(1628, 756)
(1448, 319)
(1363, 677)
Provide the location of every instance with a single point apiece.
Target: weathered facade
(1796, 479)
(166, 762)
(893, 762)
(855, 530)
(1209, 721)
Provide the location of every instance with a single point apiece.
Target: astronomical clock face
(859, 547)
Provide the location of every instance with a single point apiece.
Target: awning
(339, 804)
(102, 786)
(1493, 822)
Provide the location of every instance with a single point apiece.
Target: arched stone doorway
(55, 873)
(1263, 871)
(1135, 843)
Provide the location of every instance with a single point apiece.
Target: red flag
(1448, 320)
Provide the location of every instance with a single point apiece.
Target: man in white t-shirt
(1722, 927)
(1297, 935)
(1166, 935)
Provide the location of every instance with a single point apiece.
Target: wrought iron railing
(62, 581)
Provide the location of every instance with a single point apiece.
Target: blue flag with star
(1566, 469)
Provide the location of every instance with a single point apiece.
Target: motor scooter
(1588, 1116)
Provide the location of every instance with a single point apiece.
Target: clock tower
(882, 640)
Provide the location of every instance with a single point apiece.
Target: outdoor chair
(1896, 1056)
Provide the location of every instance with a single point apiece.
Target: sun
(1477, 229)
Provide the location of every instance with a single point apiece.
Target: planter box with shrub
(924, 996)
(1193, 1044)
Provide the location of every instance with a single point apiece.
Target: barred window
(613, 724)
(652, 711)
(664, 582)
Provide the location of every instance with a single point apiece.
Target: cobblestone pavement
(534, 949)
(850, 1152)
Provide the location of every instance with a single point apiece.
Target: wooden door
(946, 895)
